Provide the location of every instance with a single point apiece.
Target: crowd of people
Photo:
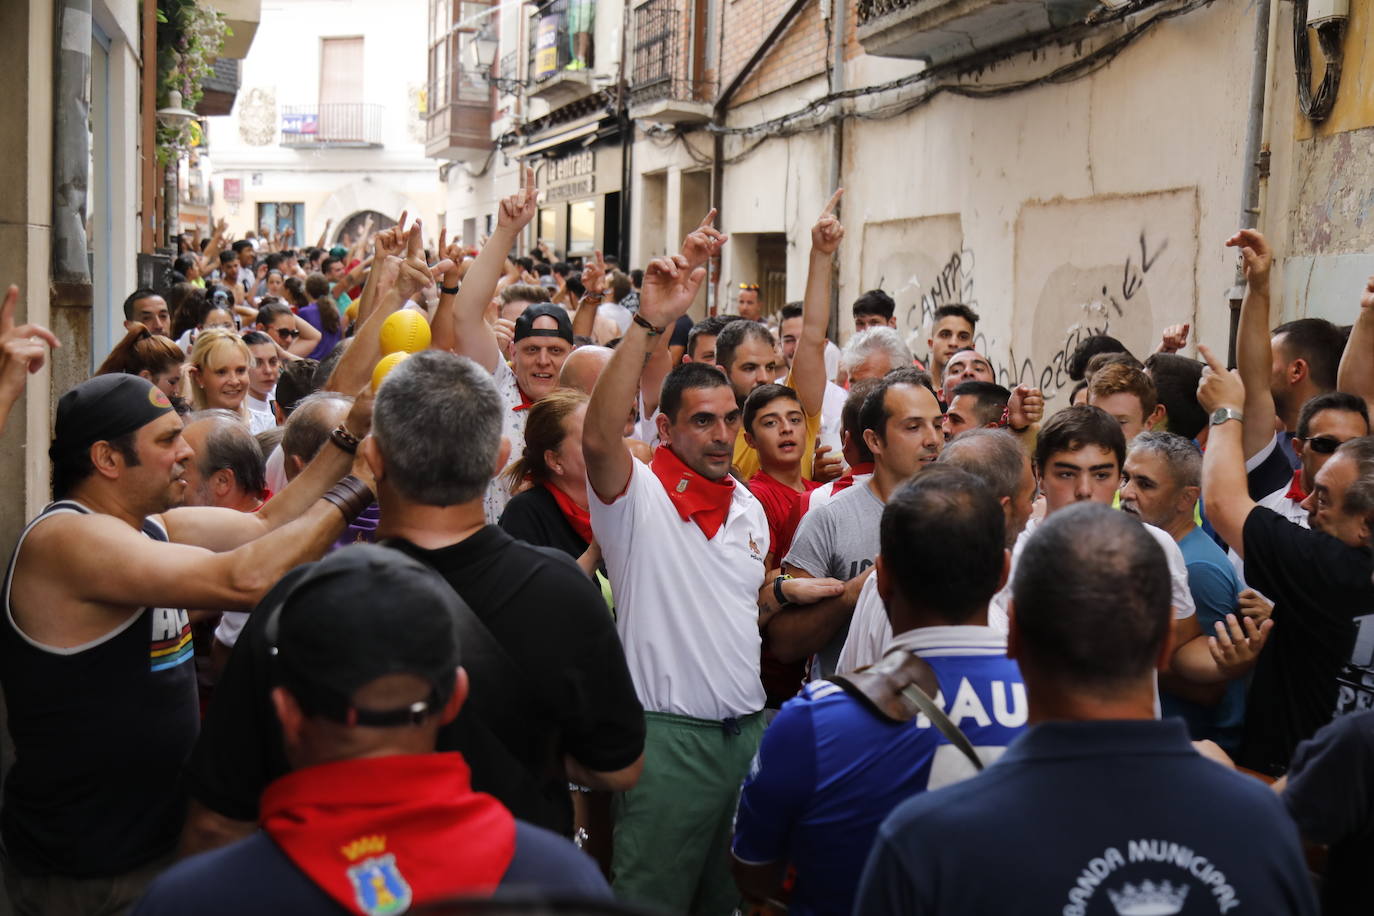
(582, 603)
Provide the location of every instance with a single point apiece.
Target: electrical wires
(831, 107)
(1316, 106)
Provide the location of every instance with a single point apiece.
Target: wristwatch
(1222, 414)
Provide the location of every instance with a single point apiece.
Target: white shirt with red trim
(686, 608)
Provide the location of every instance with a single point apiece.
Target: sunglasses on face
(1322, 445)
(288, 333)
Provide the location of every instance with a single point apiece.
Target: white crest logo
(1149, 899)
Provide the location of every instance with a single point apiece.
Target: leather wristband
(778, 593)
(644, 323)
(345, 440)
(351, 496)
(448, 290)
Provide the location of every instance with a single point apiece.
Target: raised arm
(180, 575)
(1356, 375)
(306, 340)
(209, 258)
(1254, 356)
(1226, 496)
(808, 365)
(669, 287)
(413, 274)
(594, 286)
(475, 339)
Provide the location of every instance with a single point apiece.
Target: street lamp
(483, 47)
(173, 117)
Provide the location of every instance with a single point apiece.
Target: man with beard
(95, 646)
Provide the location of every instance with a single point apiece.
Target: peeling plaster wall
(1099, 205)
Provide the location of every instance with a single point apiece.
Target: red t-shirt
(782, 505)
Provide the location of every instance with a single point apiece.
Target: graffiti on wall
(1123, 266)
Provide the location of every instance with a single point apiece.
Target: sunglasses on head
(748, 286)
(1322, 445)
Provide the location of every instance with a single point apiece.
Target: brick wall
(798, 55)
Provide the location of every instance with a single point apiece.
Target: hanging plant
(189, 38)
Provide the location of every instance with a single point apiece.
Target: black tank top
(101, 733)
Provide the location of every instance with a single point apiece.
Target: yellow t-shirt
(747, 457)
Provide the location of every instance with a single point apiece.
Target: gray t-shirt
(838, 540)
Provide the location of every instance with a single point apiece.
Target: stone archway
(347, 231)
(355, 200)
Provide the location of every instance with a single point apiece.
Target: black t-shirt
(681, 328)
(533, 516)
(1319, 586)
(562, 687)
(1331, 796)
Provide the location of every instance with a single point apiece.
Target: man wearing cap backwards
(543, 335)
(371, 818)
(685, 548)
(95, 650)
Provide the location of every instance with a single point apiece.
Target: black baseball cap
(524, 325)
(104, 408)
(359, 614)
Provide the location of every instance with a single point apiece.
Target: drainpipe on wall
(718, 113)
(71, 274)
(1255, 157)
(837, 84)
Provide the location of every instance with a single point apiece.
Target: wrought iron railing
(660, 64)
(331, 124)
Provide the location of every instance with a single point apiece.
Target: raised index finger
(413, 246)
(1214, 363)
(834, 200)
(708, 220)
(529, 183)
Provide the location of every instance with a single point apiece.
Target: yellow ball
(405, 331)
(384, 367)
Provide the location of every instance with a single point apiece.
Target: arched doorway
(347, 232)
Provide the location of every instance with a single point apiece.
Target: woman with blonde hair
(218, 375)
(150, 355)
(552, 511)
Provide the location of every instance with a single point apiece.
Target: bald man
(583, 367)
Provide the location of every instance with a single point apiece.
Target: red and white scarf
(696, 498)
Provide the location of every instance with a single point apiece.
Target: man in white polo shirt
(684, 545)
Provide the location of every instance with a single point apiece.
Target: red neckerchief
(579, 518)
(707, 502)
(379, 834)
(847, 481)
(525, 402)
(1295, 488)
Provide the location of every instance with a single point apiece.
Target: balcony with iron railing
(458, 122)
(936, 31)
(661, 85)
(562, 50)
(339, 125)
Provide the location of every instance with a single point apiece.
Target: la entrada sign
(570, 176)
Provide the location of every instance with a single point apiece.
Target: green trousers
(672, 830)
